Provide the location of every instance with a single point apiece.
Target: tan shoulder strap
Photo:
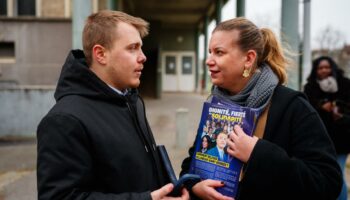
(259, 131)
(260, 126)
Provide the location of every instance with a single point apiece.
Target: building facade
(36, 35)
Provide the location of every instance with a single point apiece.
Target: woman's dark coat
(295, 159)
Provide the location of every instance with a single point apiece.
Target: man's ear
(99, 54)
(250, 58)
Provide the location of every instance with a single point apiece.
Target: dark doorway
(148, 87)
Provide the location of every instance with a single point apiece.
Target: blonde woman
(290, 155)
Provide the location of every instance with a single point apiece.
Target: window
(7, 52)
(26, 7)
(187, 65)
(3, 7)
(170, 65)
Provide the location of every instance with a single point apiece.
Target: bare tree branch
(329, 38)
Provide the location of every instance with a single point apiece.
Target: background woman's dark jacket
(295, 159)
(92, 144)
(339, 130)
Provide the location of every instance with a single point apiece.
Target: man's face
(221, 140)
(125, 60)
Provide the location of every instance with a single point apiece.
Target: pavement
(18, 158)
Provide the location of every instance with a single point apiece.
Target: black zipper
(153, 141)
(139, 131)
(150, 143)
(157, 160)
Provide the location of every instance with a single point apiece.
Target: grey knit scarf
(256, 94)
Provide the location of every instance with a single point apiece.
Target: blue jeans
(342, 162)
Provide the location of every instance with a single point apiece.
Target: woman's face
(226, 61)
(324, 69)
(204, 142)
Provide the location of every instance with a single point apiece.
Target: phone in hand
(187, 180)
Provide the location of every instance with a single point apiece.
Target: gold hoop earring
(246, 73)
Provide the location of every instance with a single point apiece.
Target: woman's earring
(246, 73)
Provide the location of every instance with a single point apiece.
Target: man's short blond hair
(100, 29)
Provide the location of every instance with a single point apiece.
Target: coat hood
(77, 79)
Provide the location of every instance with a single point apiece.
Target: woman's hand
(240, 145)
(206, 190)
(336, 114)
(328, 107)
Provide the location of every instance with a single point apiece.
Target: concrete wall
(170, 39)
(52, 8)
(22, 109)
(41, 46)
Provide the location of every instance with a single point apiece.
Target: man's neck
(123, 92)
(97, 71)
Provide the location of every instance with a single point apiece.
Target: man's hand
(161, 194)
(206, 190)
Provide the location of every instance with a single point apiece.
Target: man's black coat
(95, 143)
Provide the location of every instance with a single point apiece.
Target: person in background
(329, 93)
(290, 155)
(95, 143)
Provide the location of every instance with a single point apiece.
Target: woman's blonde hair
(262, 41)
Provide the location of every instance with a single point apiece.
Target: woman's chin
(216, 82)
(219, 84)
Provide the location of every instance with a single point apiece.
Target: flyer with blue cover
(210, 159)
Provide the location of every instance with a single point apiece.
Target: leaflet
(210, 159)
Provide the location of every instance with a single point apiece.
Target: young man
(95, 143)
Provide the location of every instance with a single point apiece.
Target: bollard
(181, 127)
